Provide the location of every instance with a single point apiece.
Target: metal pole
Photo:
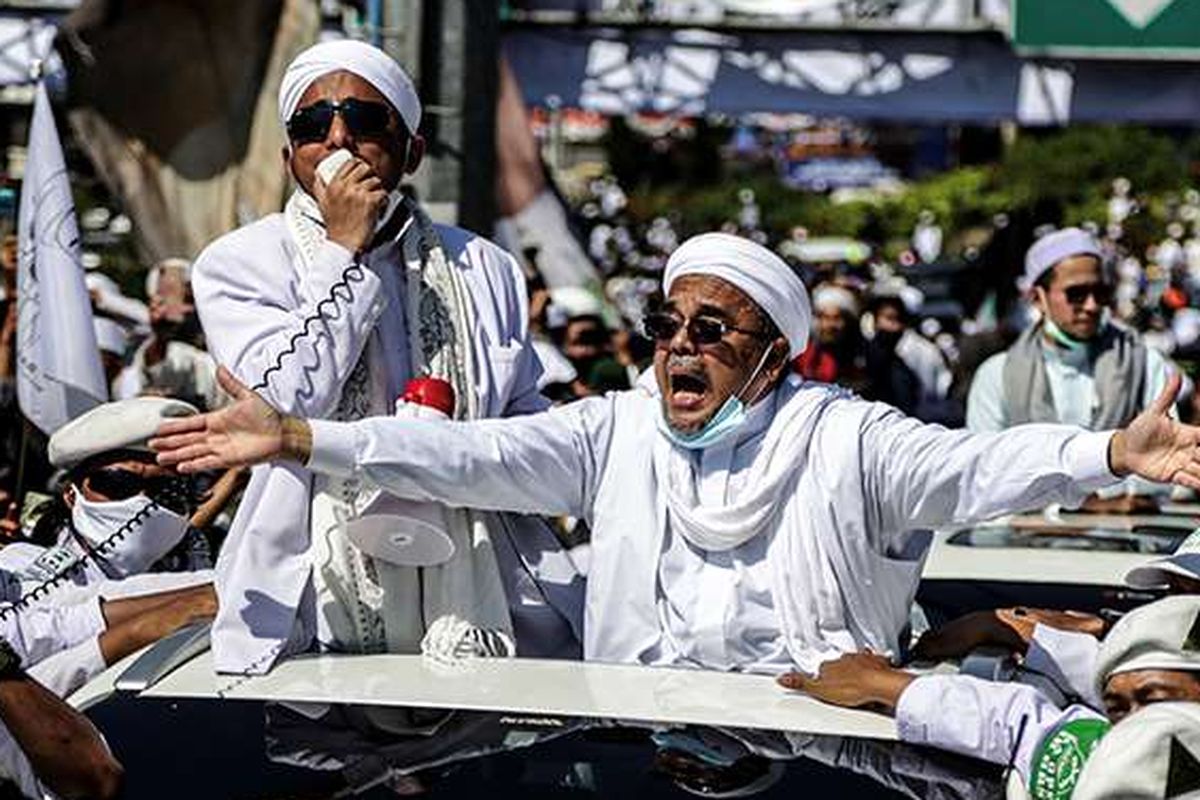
(375, 21)
(480, 87)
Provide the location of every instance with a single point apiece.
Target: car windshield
(253, 749)
(1148, 539)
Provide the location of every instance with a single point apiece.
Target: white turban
(369, 63)
(754, 269)
(838, 298)
(1161, 635)
(1055, 247)
(1153, 753)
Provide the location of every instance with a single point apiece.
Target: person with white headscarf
(1151, 656)
(329, 309)
(1074, 365)
(741, 518)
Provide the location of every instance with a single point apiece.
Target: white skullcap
(1055, 247)
(110, 336)
(1185, 561)
(152, 276)
(575, 301)
(1154, 753)
(754, 269)
(121, 425)
(369, 63)
(1164, 634)
(839, 298)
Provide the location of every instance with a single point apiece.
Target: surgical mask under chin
(1061, 337)
(151, 535)
(729, 418)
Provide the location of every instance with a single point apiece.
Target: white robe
(259, 307)
(869, 476)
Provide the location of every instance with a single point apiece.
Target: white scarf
(766, 494)
(771, 479)
(454, 609)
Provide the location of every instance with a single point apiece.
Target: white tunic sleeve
(546, 463)
(998, 722)
(1067, 658)
(256, 312)
(925, 476)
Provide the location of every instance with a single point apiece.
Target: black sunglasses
(662, 327)
(177, 493)
(1077, 295)
(362, 117)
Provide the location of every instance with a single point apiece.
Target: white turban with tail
(754, 269)
(369, 63)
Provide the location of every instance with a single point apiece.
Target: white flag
(59, 375)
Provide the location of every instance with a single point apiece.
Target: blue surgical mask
(729, 418)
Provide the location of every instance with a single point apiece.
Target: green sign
(1108, 28)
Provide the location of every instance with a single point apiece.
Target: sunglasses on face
(662, 327)
(1078, 295)
(175, 492)
(363, 117)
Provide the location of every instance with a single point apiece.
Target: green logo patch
(1060, 758)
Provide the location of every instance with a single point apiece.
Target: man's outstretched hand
(1157, 447)
(245, 433)
(855, 680)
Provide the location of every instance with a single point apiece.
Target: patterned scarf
(454, 609)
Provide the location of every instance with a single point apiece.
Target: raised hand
(350, 204)
(1156, 447)
(244, 433)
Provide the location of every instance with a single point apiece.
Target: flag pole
(35, 75)
(19, 496)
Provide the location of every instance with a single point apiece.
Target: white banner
(58, 364)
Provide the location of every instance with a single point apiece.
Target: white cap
(1163, 635)
(121, 425)
(1055, 247)
(575, 301)
(1185, 562)
(831, 296)
(110, 336)
(1154, 753)
(153, 274)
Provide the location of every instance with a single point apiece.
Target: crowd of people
(744, 441)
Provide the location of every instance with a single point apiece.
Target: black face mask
(185, 330)
(887, 340)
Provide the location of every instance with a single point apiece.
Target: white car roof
(521, 686)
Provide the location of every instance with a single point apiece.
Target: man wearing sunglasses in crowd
(741, 518)
(330, 309)
(1074, 365)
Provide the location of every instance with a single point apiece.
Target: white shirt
(304, 330)
(1073, 389)
(869, 476)
(716, 608)
(926, 361)
(185, 372)
(1072, 386)
(1004, 723)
